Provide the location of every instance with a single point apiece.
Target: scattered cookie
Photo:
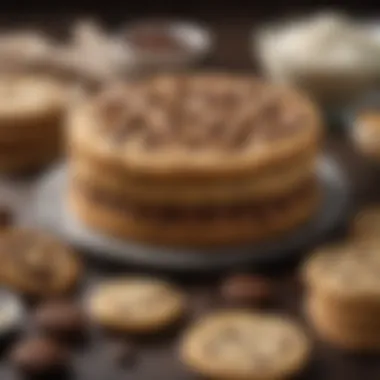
(244, 345)
(246, 290)
(37, 264)
(136, 305)
(60, 317)
(38, 355)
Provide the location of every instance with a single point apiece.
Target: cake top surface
(198, 118)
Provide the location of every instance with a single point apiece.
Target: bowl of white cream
(329, 55)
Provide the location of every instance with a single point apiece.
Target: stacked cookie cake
(32, 110)
(205, 159)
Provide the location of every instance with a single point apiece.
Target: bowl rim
(204, 32)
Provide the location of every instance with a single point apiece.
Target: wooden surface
(156, 358)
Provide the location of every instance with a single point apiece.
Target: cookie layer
(245, 346)
(238, 226)
(264, 186)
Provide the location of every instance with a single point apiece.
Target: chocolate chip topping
(201, 112)
(6, 217)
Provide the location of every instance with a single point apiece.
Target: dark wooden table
(157, 357)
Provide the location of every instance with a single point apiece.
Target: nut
(38, 355)
(60, 317)
(246, 290)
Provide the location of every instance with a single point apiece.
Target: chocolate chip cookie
(136, 305)
(37, 264)
(244, 345)
(205, 159)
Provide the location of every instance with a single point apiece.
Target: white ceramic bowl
(289, 58)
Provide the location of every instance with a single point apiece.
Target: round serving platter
(50, 212)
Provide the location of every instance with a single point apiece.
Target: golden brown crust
(355, 314)
(279, 126)
(23, 161)
(339, 333)
(193, 232)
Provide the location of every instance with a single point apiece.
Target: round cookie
(37, 264)
(210, 230)
(245, 346)
(136, 305)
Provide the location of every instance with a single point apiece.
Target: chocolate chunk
(38, 355)
(6, 218)
(60, 317)
(246, 290)
(124, 353)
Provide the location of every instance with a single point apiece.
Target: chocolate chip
(124, 353)
(60, 317)
(37, 355)
(6, 218)
(246, 290)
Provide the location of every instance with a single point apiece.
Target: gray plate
(49, 212)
